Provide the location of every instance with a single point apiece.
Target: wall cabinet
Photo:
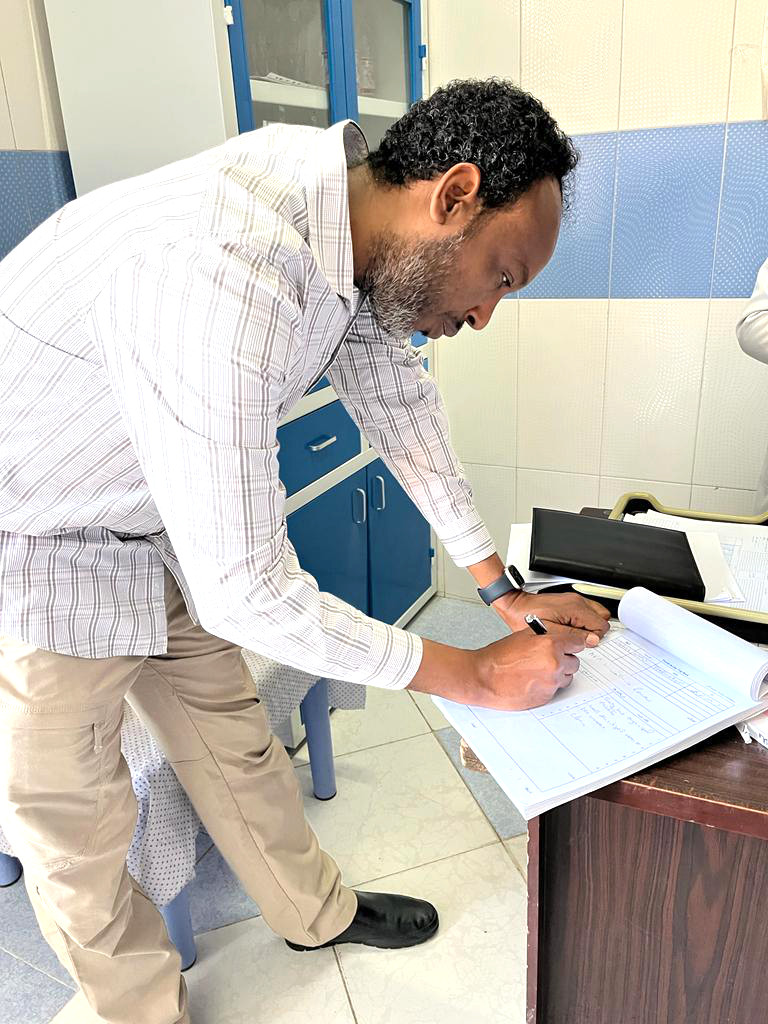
(365, 541)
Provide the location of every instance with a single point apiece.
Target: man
(152, 335)
(752, 332)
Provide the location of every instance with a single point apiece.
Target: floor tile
(20, 934)
(460, 623)
(518, 851)
(496, 805)
(398, 806)
(245, 973)
(472, 972)
(388, 716)
(28, 996)
(216, 897)
(431, 712)
(76, 1011)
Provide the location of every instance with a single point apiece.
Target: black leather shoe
(385, 921)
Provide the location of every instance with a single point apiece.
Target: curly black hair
(493, 124)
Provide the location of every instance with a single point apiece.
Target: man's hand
(555, 610)
(517, 672)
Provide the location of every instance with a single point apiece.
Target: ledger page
(630, 704)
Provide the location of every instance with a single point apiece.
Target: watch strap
(503, 585)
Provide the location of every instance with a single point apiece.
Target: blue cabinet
(399, 553)
(365, 541)
(315, 444)
(330, 536)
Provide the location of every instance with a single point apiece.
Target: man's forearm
(487, 571)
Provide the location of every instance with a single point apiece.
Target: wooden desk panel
(647, 900)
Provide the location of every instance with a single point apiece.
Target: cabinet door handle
(317, 445)
(361, 492)
(383, 494)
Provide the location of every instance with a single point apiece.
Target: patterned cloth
(152, 335)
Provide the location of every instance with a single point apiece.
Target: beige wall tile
(675, 62)
(477, 371)
(653, 381)
(570, 59)
(560, 383)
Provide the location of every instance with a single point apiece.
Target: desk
(648, 900)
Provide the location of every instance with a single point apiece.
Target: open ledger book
(660, 684)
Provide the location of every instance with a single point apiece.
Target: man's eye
(505, 282)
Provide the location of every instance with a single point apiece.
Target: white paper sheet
(745, 548)
(631, 703)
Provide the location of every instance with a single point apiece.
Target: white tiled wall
(733, 423)
(478, 379)
(728, 500)
(572, 70)
(472, 40)
(675, 62)
(560, 383)
(569, 491)
(748, 98)
(652, 386)
(611, 395)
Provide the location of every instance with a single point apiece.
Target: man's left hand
(555, 610)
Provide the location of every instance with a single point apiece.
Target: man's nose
(479, 316)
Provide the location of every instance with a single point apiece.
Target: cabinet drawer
(313, 445)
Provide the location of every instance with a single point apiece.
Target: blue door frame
(340, 36)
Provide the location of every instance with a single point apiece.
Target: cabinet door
(330, 535)
(387, 55)
(399, 552)
(288, 62)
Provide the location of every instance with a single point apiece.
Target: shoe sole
(415, 940)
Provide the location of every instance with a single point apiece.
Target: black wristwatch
(510, 580)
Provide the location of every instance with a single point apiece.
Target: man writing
(152, 335)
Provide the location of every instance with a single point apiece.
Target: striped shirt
(152, 335)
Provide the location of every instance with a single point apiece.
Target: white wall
(573, 401)
(30, 116)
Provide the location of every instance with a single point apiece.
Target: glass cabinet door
(384, 52)
(287, 58)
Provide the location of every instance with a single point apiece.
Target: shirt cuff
(467, 540)
(395, 657)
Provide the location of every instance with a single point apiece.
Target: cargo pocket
(51, 784)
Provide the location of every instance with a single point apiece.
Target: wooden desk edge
(698, 809)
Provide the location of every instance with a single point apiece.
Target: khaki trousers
(68, 809)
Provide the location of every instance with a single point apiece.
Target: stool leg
(317, 721)
(179, 925)
(10, 870)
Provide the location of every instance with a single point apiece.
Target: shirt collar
(330, 154)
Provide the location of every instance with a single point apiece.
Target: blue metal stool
(317, 722)
(10, 870)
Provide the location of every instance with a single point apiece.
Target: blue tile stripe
(33, 185)
(674, 212)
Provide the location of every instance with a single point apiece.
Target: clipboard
(751, 625)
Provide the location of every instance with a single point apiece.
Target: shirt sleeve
(200, 341)
(382, 382)
(752, 328)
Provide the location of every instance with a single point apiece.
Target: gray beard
(403, 275)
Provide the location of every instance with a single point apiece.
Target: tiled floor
(407, 819)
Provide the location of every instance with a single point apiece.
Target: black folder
(614, 553)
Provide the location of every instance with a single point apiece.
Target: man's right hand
(519, 671)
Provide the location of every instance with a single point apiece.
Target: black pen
(535, 623)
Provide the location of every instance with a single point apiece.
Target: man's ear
(454, 200)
